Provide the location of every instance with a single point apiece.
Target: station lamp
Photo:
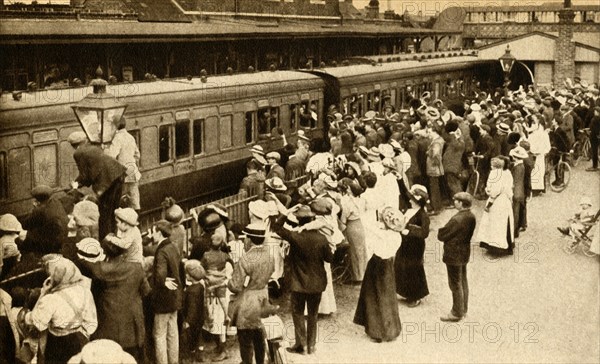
(97, 112)
(507, 61)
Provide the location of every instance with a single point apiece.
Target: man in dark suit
(309, 250)
(46, 225)
(456, 236)
(104, 174)
(167, 294)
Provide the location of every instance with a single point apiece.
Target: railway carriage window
(274, 121)
(45, 167)
(198, 135)
(393, 96)
(314, 112)
(225, 132)
(3, 176)
(164, 143)
(249, 127)
(293, 117)
(182, 139)
(264, 121)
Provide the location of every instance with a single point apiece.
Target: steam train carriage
(193, 136)
(359, 88)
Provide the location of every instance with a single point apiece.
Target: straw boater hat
(274, 155)
(475, 107)
(370, 115)
(276, 184)
(373, 155)
(89, 249)
(257, 230)
(302, 136)
(395, 145)
(502, 127)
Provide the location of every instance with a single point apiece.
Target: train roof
(404, 65)
(69, 95)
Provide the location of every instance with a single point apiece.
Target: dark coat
(119, 288)
(193, 307)
(276, 171)
(294, 168)
(411, 281)
(518, 173)
(46, 228)
(452, 159)
(96, 169)
(456, 235)
(309, 250)
(167, 263)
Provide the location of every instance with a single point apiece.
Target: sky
(429, 7)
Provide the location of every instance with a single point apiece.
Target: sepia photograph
(299, 181)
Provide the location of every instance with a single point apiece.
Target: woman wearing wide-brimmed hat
(377, 308)
(411, 282)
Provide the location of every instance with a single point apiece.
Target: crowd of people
(373, 184)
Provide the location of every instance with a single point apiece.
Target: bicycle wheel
(586, 150)
(585, 248)
(556, 183)
(577, 154)
(338, 274)
(569, 247)
(473, 183)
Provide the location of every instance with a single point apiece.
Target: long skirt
(411, 282)
(328, 305)
(355, 234)
(539, 172)
(377, 308)
(59, 349)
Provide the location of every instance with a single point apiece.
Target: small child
(193, 307)
(214, 263)
(582, 217)
(128, 235)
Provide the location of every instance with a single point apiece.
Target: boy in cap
(456, 236)
(193, 308)
(128, 235)
(583, 217)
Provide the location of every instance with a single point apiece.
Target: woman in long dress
(352, 227)
(411, 282)
(540, 146)
(496, 230)
(377, 308)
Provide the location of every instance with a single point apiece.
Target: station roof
(19, 31)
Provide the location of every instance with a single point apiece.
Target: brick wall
(285, 7)
(564, 66)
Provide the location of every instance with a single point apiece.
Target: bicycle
(340, 267)
(559, 175)
(582, 148)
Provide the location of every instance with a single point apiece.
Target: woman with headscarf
(65, 308)
(496, 230)
(411, 282)
(377, 309)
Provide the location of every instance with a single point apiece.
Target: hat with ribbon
(89, 249)
(504, 128)
(263, 209)
(276, 184)
(419, 192)
(256, 230)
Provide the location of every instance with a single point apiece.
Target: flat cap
(41, 192)
(77, 137)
